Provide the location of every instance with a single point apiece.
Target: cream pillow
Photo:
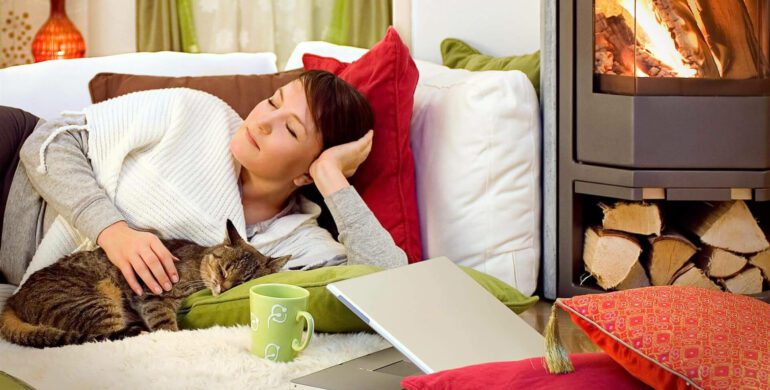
(47, 88)
(476, 143)
(326, 49)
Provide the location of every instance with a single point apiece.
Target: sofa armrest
(47, 88)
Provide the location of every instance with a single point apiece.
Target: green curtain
(187, 26)
(359, 23)
(165, 25)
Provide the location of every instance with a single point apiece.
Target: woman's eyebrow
(280, 91)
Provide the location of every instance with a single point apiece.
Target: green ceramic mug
(277, 311)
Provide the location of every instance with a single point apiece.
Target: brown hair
(340, 112)
(342, 115)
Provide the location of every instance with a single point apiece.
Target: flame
(660, 42)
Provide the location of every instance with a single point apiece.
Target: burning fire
(711, 39)
(659, 41)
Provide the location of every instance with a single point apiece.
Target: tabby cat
(83, 297)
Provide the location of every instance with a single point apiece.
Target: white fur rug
(215, 358)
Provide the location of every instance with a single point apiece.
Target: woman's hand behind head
(346, 157)
(330, 170)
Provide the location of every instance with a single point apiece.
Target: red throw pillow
(679, 337)
(592, 371)
(387, 76)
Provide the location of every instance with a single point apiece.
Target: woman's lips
(251, 139)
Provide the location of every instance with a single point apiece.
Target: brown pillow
(241, 92)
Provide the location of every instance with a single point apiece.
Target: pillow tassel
(556, 358)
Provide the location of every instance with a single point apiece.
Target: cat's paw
(168, 327)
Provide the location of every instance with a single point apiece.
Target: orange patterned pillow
(674, 337)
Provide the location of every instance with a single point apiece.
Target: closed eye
(272, 103)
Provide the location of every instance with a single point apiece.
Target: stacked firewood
(717, 246)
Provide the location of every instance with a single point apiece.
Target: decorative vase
(58, 38)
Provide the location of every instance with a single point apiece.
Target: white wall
(108, 26)
(494, 27)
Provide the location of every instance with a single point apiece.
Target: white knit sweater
(169, 168)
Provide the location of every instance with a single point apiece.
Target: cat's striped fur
(84, 297)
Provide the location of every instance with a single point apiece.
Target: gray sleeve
(364, 238)
(6, 290)
(69, 185)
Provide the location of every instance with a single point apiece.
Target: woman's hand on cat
(139, 253)
(330, 170)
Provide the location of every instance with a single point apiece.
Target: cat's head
(235, 261)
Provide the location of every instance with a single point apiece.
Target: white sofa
(478, 193)
(475, 138)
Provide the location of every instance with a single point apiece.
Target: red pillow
(592, 371)
(680, 337)
(387, 76)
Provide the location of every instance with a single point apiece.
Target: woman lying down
(179, 163)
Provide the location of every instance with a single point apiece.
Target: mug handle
(295, 344)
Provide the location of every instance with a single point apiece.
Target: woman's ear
(303, 179)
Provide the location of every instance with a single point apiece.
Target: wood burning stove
(659, 85)
(665, 100)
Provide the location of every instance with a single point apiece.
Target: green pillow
(202, 310)
(8, 382)
(459, 55)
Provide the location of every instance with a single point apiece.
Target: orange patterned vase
(58, 38)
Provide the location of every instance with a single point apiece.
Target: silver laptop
(436, 317)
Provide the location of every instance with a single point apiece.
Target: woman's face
(278, 140)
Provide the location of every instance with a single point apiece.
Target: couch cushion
(457, 54)
(326, 49)
(241, 92)
(202, 310)
(46, 88)
(592, 371)
(8, 382)
(476, 141)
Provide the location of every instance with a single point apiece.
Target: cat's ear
(276, 263)
(303, 179)
(232, 237)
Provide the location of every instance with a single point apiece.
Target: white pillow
(326, 49)
(47, 88)
(475, 137)
(476, 144)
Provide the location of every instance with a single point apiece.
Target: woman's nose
(264, 128)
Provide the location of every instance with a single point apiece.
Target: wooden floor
(571, 335)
